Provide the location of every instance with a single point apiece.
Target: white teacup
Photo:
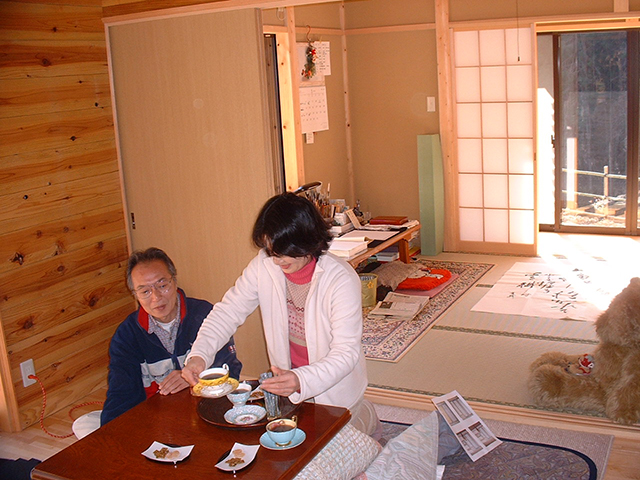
(240, 395)
(282, 431)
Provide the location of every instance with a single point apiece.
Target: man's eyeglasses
(162, 286)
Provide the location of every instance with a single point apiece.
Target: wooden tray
(212, 410)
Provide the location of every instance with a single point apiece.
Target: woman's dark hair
(292, 226)
(146, 256)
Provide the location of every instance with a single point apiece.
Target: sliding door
(591, 87)
(494, 118)
(190, 96)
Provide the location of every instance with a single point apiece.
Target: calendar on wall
(314, 116)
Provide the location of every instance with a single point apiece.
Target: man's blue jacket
(139, 361)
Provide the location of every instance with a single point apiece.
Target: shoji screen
(494, 112)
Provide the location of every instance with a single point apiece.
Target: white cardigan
(336, 374)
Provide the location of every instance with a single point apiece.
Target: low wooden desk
(114, 451)
(402, 239)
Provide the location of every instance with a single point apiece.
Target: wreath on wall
(309, 69)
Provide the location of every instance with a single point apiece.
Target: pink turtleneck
(298, 284)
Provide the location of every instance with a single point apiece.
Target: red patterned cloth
(425, 279)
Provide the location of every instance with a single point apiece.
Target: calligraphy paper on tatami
(542, 290)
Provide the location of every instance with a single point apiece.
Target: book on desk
(389, 220)
(348, 247)
(341, 229)
(389, 254)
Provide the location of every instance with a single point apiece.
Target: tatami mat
(480, 366)
(487, 356)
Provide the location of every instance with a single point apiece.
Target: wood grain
(43, 21)
(49, 272)
(87, 3)
(58, 130)
(22, 172)
(7, 304)
(42, 58)
(67, 380)
(63, 241)
(40, 205)
(65, 309)
(33, 442)
(98, 325)
(148, 6)
(72, 356)
(39, 95)
(47, 240)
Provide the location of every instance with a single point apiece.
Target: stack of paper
(399, 305)
(339, 229)
(388, 254)
(348, 247)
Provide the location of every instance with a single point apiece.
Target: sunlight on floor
(609, 260)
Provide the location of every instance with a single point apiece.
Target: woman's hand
(191, 371)
(284, 383)
(174, 383)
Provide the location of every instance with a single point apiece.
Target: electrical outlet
(431, 104)
(27, 368)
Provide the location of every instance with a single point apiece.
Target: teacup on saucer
(212, 379)
(282, 431)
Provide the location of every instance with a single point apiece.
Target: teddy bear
(605, 382)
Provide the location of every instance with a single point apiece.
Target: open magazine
(472, 433)
(399, 305)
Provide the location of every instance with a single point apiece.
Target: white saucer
(245, 415)
(298, 438)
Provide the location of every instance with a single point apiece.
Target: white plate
(245, 415)
(239, 457)
(298, 438)
(165, 453)
(87, 423)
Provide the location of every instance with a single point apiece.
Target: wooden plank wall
(63, 246)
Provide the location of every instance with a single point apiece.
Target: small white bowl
(240, 395)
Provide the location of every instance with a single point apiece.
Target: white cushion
(411, 455)
(347, 455)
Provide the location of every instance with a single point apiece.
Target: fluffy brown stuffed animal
(612, 386)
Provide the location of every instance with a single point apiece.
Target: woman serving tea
(311, 306)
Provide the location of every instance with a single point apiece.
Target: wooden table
(114, 451)
(401, 238)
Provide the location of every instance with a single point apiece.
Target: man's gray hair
(146, 256)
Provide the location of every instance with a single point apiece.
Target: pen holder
(271, 400)
(368, 282)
